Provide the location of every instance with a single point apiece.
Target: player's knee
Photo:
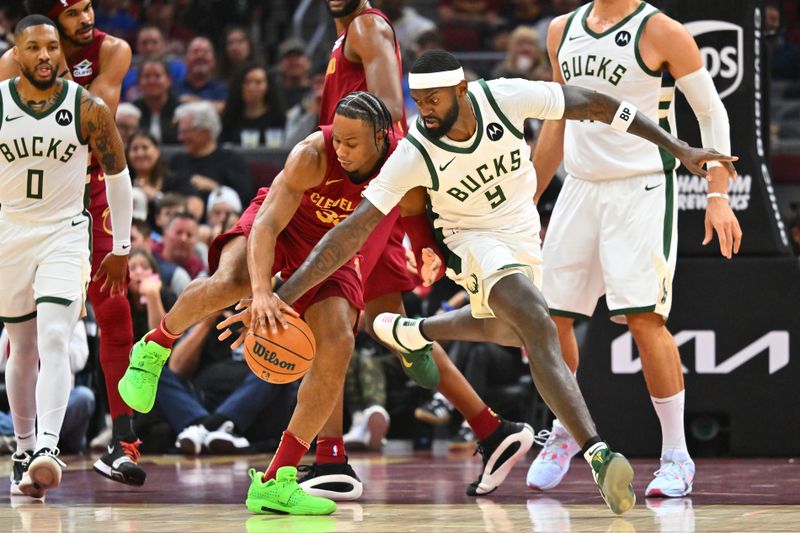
(230, 281)
(54, 337)
(340, 347)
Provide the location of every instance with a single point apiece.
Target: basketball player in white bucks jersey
(468, 151)
(47, 126)
(613, 230)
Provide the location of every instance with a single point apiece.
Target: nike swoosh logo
(331, 182)
(405, 363)
(576, 37)
(442, 167)
(650, 188)
(126, 246)
(9, 119)
(78, 222)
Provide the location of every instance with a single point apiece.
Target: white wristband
(721, 195)
(623, 117)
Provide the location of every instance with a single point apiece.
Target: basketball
(281, 357)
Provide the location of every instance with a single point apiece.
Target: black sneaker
(337, 481)
(435, 412)
(20, 462)
(225, 440)
(464, 439)
(501, 450)
(119, 463)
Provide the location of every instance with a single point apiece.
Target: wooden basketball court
(405, 493)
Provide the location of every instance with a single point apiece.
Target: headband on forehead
(59, 6)
(431, 80)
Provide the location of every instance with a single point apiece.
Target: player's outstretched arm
(335, 249)
(305, 168)
(99, 129)
(115, 56)
(583, 104)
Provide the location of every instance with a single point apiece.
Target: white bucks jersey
(42, 157)
(610, 63)
(486, 182)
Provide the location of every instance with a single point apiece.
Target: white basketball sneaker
(552, 463)
(674, 478)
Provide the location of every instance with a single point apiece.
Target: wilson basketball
(284, 356)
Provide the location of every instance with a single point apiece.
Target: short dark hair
(365, 106)
(435, 61)
(32, 20)
(181, 215)
(171, 199)
(142, 226)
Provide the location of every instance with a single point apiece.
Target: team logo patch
(622, 38)
(64, 117)
(494, 131)
(82, 69)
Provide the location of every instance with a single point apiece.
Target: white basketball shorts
(616, 237)
(485, 258)
(42, 263)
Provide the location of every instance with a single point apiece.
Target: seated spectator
(365, 397)
(467, 24)
(115, 17)
(524, 59)
(167, 207)
(161, 13)
(150, 44)
(172, 276)
(204, 166)
(157, 101)
(302, 119)
(408, 23)
(237, 51)
(148, 170)
(212, 400)
(223, 211)
(291, 77)
(6, 30)
(147, 295)
(249, 120)
(127, 119)
(200, 82)
(80, 405)
(178, 245)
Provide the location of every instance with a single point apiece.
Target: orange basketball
(281, 357)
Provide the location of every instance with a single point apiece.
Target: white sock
(670, 414)
(409, 334)
(55, 324)
(22, 370)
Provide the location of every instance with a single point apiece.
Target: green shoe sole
(616, 484)
(270, 507)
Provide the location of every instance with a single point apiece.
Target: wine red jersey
(344, 77)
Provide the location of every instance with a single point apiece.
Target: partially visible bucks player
(47, 126)
(468, 151)
(613, 230)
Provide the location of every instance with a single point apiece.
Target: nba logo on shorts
(721, 45)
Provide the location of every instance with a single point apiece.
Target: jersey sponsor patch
(622, 38)
(64, 117)
(494, 131)
(82, 69)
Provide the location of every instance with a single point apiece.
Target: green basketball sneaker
(418, 363)
(283, 495)
(138, 386)
(613, 475)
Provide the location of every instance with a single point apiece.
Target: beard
(42, 85)
(73, 38)
(445, 124)
(348, 8)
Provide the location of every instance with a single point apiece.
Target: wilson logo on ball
(271, 357)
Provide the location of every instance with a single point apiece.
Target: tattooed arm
(337, 246)
(583, 104)
(100, 131)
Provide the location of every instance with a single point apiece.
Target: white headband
(431, 80)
